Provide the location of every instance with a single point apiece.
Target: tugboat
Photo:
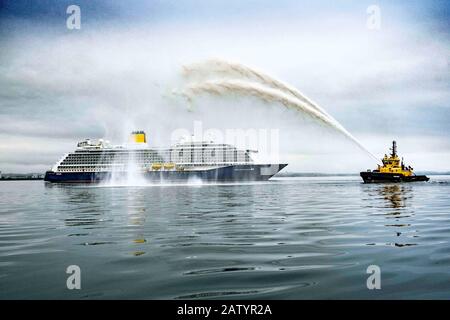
(392, 170)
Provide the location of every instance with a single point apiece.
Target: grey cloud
(58, 88)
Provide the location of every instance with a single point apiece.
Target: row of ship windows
(212, 156)
(106, 152)
(203, 161)
(67, 168)
(194, 156)
(114, 160)
(157, 161)
(187, 147)
(127, 156)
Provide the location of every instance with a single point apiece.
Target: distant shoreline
(18, 177)
(21, 176)
(318, 174)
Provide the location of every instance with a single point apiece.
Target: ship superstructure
(94, 161)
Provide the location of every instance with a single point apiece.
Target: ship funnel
(138, 137)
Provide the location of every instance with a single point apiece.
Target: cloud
(59, 86)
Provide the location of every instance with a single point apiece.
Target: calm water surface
(290, 238)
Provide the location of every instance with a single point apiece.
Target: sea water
(288, 238)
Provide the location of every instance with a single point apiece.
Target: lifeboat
(156, 166)
(169, 166)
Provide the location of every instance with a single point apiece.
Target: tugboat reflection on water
(396, 196)
(399, 212)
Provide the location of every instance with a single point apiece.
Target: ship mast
(394, 149)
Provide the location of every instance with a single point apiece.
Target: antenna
(394, 148)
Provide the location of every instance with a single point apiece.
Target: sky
(122, 70)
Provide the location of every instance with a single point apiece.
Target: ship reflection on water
(396, 196)
(88, 210)
(395, 201)
(137, 216)
(140, 206)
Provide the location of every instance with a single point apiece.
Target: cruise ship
(97, 161)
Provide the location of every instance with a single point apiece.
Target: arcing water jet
(222, 87)
(258, 85)
(226, 69)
